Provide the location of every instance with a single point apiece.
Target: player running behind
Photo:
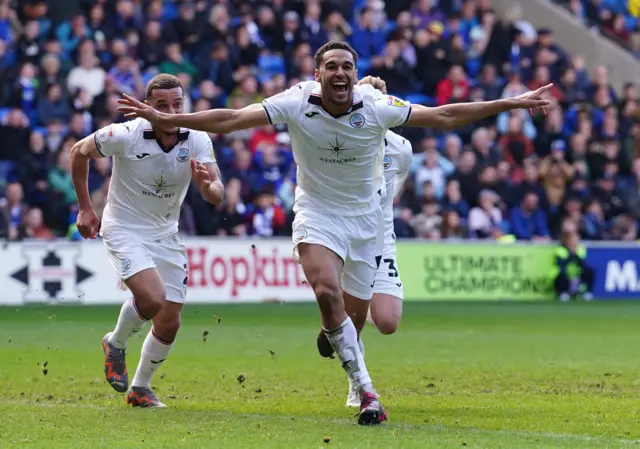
(153, 166)
(337, 135)
(385, 310)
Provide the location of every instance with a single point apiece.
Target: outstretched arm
(217, 121)
(456, 115)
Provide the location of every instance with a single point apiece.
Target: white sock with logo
(344, 340)
(129, 322)
(154, 353)
(361, 347)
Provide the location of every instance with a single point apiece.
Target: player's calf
(157, 345)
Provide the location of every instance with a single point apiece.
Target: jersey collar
(150, 134)
(316, 100)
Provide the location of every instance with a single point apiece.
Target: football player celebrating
(337, 131)
(153, 165)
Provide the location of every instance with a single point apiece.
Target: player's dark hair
(163, 81)
(334, 45)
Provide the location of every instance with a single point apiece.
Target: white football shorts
(388, 275)
(356, 240)
(129, 254)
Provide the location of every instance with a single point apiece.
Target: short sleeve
(392, 111)
(282, 107)
(111, 140)
(203, 149)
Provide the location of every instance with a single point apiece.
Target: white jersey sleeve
(284, 107)
(112, 140)
(203, 148)
(391, 111)
(404, 161)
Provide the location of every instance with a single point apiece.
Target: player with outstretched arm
(337, 131)
(153, 165)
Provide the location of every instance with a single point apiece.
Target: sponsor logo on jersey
(311, 114)
(395, 101)
(159, 188)
(336, 154)
(387, 162)
(183, 155)
(357, 120)
(110, 132)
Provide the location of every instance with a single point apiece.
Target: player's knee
(387, 326)
(166, 326)
(329, 296)
(150, 300)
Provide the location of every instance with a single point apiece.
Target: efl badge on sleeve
(395, 101)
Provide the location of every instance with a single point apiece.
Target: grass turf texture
(476, 375)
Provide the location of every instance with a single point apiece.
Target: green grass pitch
(481, 375)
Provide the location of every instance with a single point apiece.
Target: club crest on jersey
(357, 120)
(125, 266)
(183, 155)
(300, 237)
(395, 101)
(387, 162)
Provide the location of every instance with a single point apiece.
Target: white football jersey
(339, 159)
(148, 183)
(398, 155)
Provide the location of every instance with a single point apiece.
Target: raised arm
(453, 116)
(217, 121)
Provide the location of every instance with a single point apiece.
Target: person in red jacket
(516, 148)
(454, 88)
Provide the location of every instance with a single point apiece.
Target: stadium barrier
(246, 270)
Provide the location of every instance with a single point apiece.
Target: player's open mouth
(339, 87)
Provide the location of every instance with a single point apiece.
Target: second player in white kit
(152, 170)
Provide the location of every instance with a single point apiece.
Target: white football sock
(129, 322)
(154, 353)
(344, 340)
(361, 347)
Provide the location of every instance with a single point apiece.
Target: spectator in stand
(555, 173)
(34, 227)
(12, 212)
(367, 39)
(486, 150)
(87, 76)
(486, 216)
(453, 200)
(267, 218)
(452, 226)
(529, 221)
(594, 226)
(516, 147)
(54, 106)
(454, 88)
(428, 221)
